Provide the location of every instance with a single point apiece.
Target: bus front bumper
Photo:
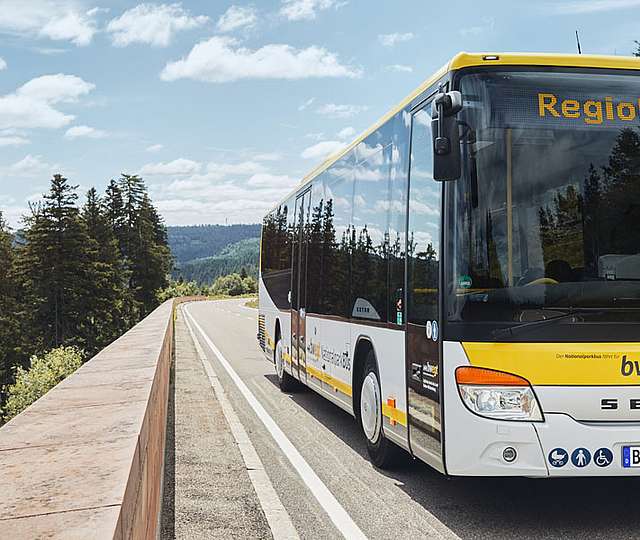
(558, 447)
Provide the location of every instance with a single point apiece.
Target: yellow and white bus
(464, 278)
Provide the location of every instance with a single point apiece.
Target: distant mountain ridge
(203, 241)
(204, 252)
(232, 259)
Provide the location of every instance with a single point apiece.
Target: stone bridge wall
(85, 460)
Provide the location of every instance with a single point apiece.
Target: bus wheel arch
(286, 382)
(277, 334)
(360, 354)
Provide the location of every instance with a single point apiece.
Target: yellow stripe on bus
(390, 412)
(561, 364)
(336, 384)
(394, 414)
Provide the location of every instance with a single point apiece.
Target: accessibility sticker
(603, 457)
(581, 457)
(558, 457)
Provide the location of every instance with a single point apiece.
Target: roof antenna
(578, 43)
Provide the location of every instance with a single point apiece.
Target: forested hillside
(232, 259)
(79, 274)
(200, 241)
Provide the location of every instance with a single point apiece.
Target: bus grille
(261, 332)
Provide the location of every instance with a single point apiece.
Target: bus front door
(299, 287)
(423, 345)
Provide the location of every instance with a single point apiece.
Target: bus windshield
(545, 220)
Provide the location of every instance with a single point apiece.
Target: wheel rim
(279, 363)
(370, 407)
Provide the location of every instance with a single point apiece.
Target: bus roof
(463, 60)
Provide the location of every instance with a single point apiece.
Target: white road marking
(336, 512)
(279, 521)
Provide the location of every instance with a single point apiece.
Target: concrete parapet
(85, 460)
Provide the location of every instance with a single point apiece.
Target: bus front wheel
(285, 381)
(383, 453)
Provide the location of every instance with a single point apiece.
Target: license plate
(631, 456)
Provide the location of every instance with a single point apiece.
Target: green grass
(253, 303)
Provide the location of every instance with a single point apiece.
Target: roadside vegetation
(223, 287)
(42, 375)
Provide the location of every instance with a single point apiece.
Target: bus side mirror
(446, 135)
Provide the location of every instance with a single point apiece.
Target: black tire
(286, 382)
(384, 454)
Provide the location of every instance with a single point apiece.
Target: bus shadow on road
(492, 507)
(525, 507)
(339, 422)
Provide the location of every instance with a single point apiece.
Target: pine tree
(114, 209)
(52, 268)
(133, 191)
(107, 301)
(9, 328)
(150, 256)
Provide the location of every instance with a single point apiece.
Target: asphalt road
(413, 501)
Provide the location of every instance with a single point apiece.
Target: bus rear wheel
(286, 382)
(383, 453)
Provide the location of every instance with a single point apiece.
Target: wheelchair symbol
(603, 457)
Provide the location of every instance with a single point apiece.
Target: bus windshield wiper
(570, 312)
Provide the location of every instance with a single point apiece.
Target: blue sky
(223, 106)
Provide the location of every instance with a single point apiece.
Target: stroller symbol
(603, 457)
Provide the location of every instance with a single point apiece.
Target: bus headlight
(497, 395)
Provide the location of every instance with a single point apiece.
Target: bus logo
(629, 368)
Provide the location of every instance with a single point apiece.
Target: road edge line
(336, 512)
(276, 514)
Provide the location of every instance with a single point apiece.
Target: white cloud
(271, 181)
(71, 26)
(306, 104)
(591, 6)
(237, 17)
(220, 59)
(346, 133)
(61, 20)
(29, 166)
(88, 132)
(300, 10)
(177, 167)
(205, 198)
(13, 140)
(400, 68)
(222, 170)
(241, 208)
(31, 105)
(154, 24)
(239, 191)
(155, 148)
(322, 149)
(389, 40)
(340, 111)
(3, 64)
(22, 112)
(315, 136)
(59, 88)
